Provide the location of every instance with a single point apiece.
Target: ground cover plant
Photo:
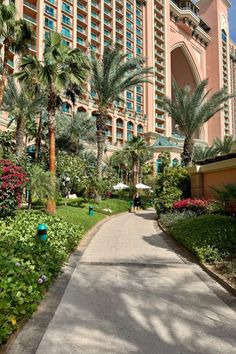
(212, 238)
(28, 265)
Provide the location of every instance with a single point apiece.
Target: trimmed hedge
(212, 238)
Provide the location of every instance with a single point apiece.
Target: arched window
(140, 128)
(66, 107)
(130, 126)
(175, 162)
(81, 109)
(158, 166)
(119, 123)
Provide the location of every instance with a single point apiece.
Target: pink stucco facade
(184, 41)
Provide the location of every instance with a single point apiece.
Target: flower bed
(199, 206)
(28, 265)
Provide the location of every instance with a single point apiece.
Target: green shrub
(211, 238)
(78, 202)
(172, 184)
(28, 265)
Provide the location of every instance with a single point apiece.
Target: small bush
(173, 217)
(28, 265)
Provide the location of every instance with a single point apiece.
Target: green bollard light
(42, 232)
(91, 210)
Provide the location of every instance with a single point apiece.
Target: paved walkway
(131, 293)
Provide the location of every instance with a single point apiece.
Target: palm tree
(22, 109)
(203, 152)
(40, 184)
(223, 146)
(191, 109)
(137, 153)
(111, 75)
(74, 132)
(61, 67)
(16, 35)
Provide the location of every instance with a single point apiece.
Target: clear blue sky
(232, 20)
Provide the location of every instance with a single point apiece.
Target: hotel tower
(185, 41)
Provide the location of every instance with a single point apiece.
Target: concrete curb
(29, 334)
(204, 266)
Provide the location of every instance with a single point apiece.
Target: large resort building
(185, 41)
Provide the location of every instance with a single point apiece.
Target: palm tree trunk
(51, 204)
(20, 134)
(187, 154)
(4, 71)
(38, 138)
(101, 128)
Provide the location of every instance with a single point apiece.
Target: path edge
(194, 259)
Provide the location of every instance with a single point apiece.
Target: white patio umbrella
(142, 186)
(120, 186)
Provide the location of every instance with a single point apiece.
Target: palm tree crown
(191, 109)
(16, 34)
(110, 77)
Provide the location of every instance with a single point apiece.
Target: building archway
(184, 72)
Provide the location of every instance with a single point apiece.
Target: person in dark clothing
(136, 202)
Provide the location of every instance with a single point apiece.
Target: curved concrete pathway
(131, 293)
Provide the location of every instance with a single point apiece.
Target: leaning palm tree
(60, 68)
(22, 109)
(223, 146)
(16, 35)
(137, 153)
(111, 75)
(191, 109)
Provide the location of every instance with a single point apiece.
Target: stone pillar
(197, 187)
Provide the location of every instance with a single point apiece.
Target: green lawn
(80, 216)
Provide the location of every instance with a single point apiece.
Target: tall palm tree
(60, 68)
(16, 35)
(223, 146)
(74, 132)
(137, 153)
(111, 75)
(22, 109)
(191, 109)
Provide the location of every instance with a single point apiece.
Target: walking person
(136, 202)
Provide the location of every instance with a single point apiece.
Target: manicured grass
(212, 238)
(80, 216)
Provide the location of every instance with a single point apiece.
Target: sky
(232, 20)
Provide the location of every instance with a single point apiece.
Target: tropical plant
(111, 75)
(16, 34)
(73, 132)
(191, 109)
(121, 164)
(7, 145)
(61, 67)
(22, 109)
(40, 184)
(137, 152)
(223, 146)
(202, 153)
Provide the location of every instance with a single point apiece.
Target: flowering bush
(199, 206)
(12, 181)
